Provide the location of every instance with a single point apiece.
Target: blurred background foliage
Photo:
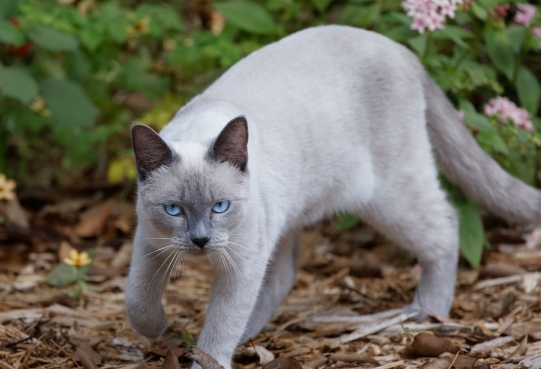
(75, 74)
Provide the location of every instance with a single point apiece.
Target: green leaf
(9, 34)
(479, 12)
(457, 34)
(360, 15)
(52, 40)
(521, 170)
(399, 33)
(479, 122)
(321, 5)
(471, 231)
(247, 16)
(62, 275)
(117, 30)
(17, 83)
(492, 140)
(418, 44)
(69, 104)
(528, 90)
(473, 119)
(91, 36)
(8, 8)
(516, 35)
(501, 52)
(347, 221)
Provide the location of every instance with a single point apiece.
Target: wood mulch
(495, 321)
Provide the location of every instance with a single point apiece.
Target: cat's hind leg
(277, 284)
(419, 218)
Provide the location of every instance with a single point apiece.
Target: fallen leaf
(354, 358)
(87, 356)
(202, 358)
(283, 363)
(171, 361)
(426, 344)
(436, 364)
(64, 250)
(263, 355)
(498, 270)
(14, 213)
(177, 351)
(92, 221)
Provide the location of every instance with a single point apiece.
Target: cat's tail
(468, 166)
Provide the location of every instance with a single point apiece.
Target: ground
(495, 320)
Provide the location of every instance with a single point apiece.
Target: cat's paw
(150, 324)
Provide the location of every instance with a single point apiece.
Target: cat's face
(197, 207)
(197, 203)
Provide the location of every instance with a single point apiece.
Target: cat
(328, 120)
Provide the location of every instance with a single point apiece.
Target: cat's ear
(231, 144)
(151, 152)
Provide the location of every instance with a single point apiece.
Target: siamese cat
(331, 119)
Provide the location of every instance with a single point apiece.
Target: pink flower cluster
(506, 111)
(430, 14)
(525, 14)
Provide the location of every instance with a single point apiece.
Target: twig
(16, 342)
(67, 354)
(202, 358)
(453, 362)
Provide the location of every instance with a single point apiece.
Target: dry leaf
(426, 344)
(498, 270)
(264, 356)
(283, 363)
(436, 364)
(14, 213)
(93, 220)
(87, 356)
(202, 358)
(171, 361)
(354, 358)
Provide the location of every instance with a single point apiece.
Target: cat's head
(195, 197)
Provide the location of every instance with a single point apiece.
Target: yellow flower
(77, 259)
(7, 188)
(139, 28)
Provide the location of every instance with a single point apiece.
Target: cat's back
(314, 56)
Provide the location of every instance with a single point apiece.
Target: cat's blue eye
(220, 207)
(173, 209)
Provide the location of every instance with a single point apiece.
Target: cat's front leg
(237, 282)
(147, 278)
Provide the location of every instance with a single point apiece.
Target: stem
(427, 47)
(462, 58)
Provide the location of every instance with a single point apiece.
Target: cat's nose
(200, 241)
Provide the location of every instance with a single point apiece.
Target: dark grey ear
(151, 152)
(231, 144)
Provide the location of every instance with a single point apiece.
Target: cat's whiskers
(154, 251)
(225, 264)
(239, 255)
(233, 263)
(161, 266)
(178, 269)
(165, 275)
(238, 244)
(162, 251)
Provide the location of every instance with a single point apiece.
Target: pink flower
(430, 14)
(500, 10)
(525, 14)
(537, 31)
(460, 114)
(506, 110)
